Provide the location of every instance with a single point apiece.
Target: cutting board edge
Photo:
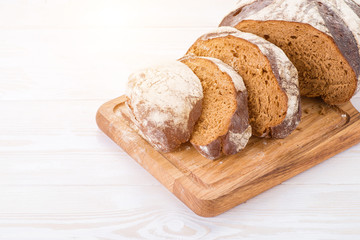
(206, 207)
(103, 121)
(212, 207)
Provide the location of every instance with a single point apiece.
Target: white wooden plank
(118, 169)
(56, 168)
(284, 212)
(63, 167)
(93, 168)
(82, 63)
(38, 117)
(53, 140)
(50, 142)
(96, 167)
(126, 13)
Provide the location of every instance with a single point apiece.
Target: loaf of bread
(321, 38)
(270, 78)
(223, 127)
(164, 103)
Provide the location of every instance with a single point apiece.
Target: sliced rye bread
(164, 104)
(321, 38)
(269, 76)
(223, 127)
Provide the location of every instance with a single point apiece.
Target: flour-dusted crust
(339, 19)
(284, 71)
(165, 102)
(239, 131)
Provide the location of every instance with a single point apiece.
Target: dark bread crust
(211, 151)
(238, 125)
(239, 122)
(342, 35)
(289, 124)
(223, 145)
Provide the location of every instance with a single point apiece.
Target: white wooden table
(62, 178)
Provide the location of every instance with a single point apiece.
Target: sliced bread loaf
(321, 38)
(223, 127)
(164, 104)
(269, 76)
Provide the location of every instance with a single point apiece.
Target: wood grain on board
(211, 187)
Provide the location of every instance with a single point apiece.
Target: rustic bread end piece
(223, 126)
(165, 101)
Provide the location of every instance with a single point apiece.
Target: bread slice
(269, 76)
(321, 38)
(164, 104)
(223, 127)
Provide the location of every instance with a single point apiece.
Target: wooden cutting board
(212, 187)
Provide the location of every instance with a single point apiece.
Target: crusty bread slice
(269, 76)
(321, 38)
(223, 126)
